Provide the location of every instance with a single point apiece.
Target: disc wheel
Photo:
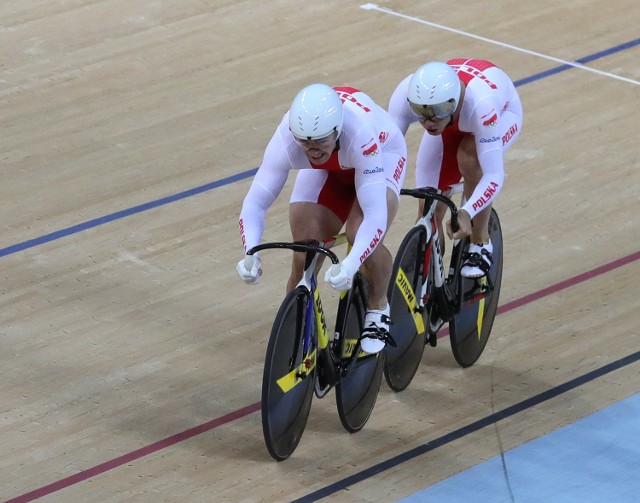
(407, 322)
(471, 327)
(358, 387)
(289, 375)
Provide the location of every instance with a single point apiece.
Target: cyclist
(472, 114)
(351, 159)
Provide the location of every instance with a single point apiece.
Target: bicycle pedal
(321, 384)
(433, 327)
(321, 391)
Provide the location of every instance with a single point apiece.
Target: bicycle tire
(287, 394)
(469, 330)
(358, 387)
(407, 323)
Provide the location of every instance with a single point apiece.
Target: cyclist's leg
(479, 257)
(471, 171)
(437, 166)
(319, 205)
(376, 269)
(428, 164)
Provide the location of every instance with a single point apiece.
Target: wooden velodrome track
(131, 353)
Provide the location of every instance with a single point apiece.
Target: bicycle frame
(423, 296)
(434, 279)
(447, 288)
(302, 359)
(314, 311)
(433, 246)
(309, 282)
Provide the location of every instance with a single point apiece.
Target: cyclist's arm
(399, 107)
(265, 188)
(371, 191)
(486, 125)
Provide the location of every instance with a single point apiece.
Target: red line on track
(580, 278)
(250, 409)
(134, 455)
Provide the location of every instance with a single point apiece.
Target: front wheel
(471, 327)
(289, 375)
(407, 323)
(359, 384)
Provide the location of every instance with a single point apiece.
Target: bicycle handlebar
(429, 193)
(299, 246)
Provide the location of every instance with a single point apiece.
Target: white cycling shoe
(375, 334)
(478, 260)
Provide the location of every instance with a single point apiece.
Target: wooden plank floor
(131, 354)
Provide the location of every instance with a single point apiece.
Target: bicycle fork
(435, 294)
(326, 363)
(304, 337)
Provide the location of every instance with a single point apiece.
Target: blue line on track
(124, 213)
(468, 429)
(246, 174)
(586, 59)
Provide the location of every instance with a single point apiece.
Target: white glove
(249, 269)
(340, 276)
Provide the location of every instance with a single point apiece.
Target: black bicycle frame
(305, 301)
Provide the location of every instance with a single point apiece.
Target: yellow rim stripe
(348, 345)
(290, 380)
(410, 298)
(481, 308)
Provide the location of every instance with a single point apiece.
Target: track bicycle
(302, 359)
(423, 298)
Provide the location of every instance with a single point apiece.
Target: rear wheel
(407, 323)
(471, 327)
(358, 387)
(289, 375)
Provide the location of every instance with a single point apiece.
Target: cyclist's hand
(464, 223)
(340, 276)
(249, 269)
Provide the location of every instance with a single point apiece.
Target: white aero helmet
(434, 91)
(315, 113)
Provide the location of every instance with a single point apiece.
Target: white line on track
(580, 66)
